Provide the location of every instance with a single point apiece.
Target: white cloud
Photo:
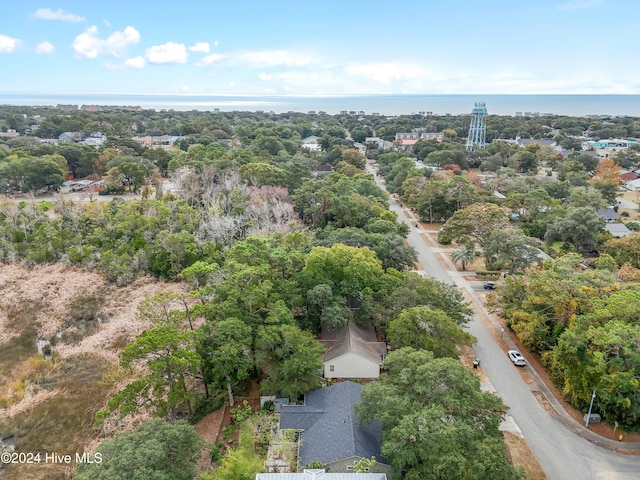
(89, 45)
(265, 76)
(185, 88)
(48, 14)
(209, 59)
(216, 43)
(581, 5)
(135, 63)
(258, 59)
(8, 44)
(272, 58)
(386, 72)
(169, 52)
(200, 47)
(45, 47)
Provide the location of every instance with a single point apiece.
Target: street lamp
(593, 396)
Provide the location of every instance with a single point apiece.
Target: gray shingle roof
(331, 429)
(617, 229)
(608, 214)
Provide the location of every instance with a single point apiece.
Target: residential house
(617, 230)
(330, 431)
(320, 474)
(311, 144)
(158, 141)
(407, 136)
(353, 351)
(374, 142)
(439, 136)
(70, 137)
(627, 177)
(10, 133)
(608, 214)
(96, 139)
(633, 185)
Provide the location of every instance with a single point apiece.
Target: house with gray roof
(617, 230)
(353, 351)
(609, 214)
(320, 475)
(329, 430)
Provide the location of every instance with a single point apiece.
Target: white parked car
(517, 358)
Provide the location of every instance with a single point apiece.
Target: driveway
(563, 454)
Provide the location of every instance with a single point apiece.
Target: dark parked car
(489, 285)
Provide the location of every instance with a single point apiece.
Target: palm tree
(464, 255)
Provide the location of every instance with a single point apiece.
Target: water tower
(477, 137)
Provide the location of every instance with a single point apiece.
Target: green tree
(425, 329)
(290, 358)
(512, 249)
(349, 270)
(464, 255)
(261, 173)
(408, 289)
(474, 224)
(40, 173)
(226, 354)
(605, 358)
(625, 250)
(156, 450)
(171, 358)
(580, 227)
(436, 422)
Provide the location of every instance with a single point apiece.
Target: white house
(352, 352)
(311, 144)
(634, 185)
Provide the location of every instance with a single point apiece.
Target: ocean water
(574, 105)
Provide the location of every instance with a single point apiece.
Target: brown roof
(628, 176)
(359, 339)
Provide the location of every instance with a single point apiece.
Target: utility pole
(593, 396)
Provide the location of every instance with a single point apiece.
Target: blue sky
(320, 48)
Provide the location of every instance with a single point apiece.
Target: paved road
(626, 203)
(562, 454)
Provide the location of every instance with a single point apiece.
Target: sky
(329, 47)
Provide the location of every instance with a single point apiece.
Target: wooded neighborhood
(251, 266)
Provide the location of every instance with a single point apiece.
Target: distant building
(617, 230)
(608, 214)
(634, 185)
(407, 136)
(374, 142)
(439, 136)
(96, 139)
(615, 143)
(311, 144)
(67, 108)
(70, 137)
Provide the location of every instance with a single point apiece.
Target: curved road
(562, 454)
